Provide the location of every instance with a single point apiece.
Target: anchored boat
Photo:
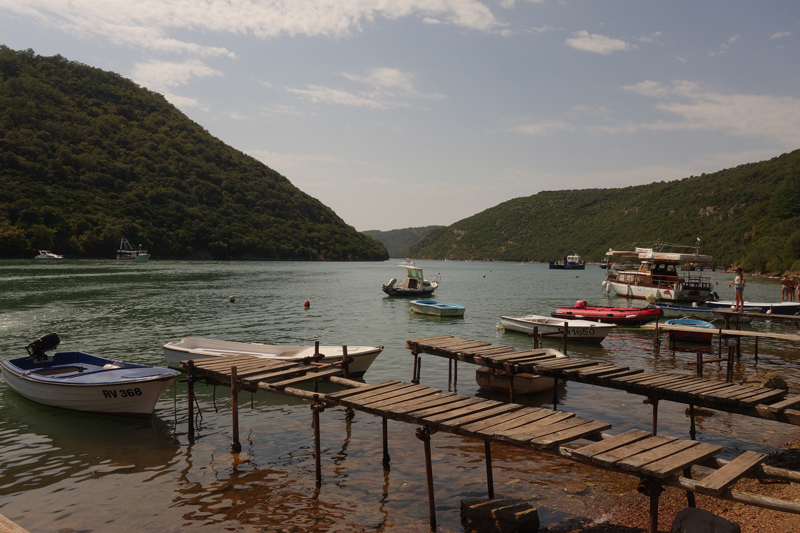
(432, 307)
(657, 278)
(81, 382)
(414, 284)
(621, 316)
(577, 330)
(129, 254)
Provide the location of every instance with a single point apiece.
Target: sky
(408, 113)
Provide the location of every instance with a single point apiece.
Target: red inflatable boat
(622, 316)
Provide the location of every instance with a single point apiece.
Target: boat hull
(194, 348)
(130, 390)
(392, 291)
(577, 330)
(434, 308)
(141, 258)
(621, 316)
(524, 384)
(703, 333)
(780, 308)
(641, 292)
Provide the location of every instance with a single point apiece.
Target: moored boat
(82, 382)
(570, 262)
(706, 313)
(657, 278)
(498, 381)
(128, 254)
(776, 308)
(621, 316)
(577, 330)
(432, 307)
(47, 255)
(414, 283)
(198, 348)
(701, 331)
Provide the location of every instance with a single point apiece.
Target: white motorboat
(414, 284)
(577, 330)
(432, 307)
(129, 254)
(81, 382)
(47, 255)
(657, 278)
(774, 308)
(195, 348)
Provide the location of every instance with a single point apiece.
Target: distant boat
(81, 382)
(704, 329)
(198, 348)
(129, 254)
(47, 255)
(414, 284)
(570, 262)
(578, 330)
(622, 316)
(432, 307)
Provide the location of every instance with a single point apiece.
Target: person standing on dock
(738, 287)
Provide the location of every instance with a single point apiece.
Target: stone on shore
(693, 520)
(499, 516)
(768, 380)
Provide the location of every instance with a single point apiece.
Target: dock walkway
(657, 460)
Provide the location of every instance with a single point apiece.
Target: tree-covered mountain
(398, 241)
(88, 157)
(749, 214)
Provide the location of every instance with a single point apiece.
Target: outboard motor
(37, 348)
(391, 282)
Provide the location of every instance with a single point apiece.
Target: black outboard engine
(37, 348)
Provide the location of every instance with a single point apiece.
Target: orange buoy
(306, 304)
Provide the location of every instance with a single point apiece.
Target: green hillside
(398, 241)
(758, 199)
(88, 157)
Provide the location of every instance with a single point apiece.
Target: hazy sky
(400, 113)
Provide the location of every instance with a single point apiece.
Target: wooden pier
(657, 460)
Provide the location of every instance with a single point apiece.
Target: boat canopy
(651, 255)
(413, 272)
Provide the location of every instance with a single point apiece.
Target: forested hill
(749, 214)
(88, 157)
(397, 241)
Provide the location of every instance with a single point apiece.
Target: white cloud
(594, 42)
(781, 35)
(149, 23)
(385, 78)
(156, 75)
(724, 47)
(542, 29)
(329, 95)
(542, 128)
(776, 118)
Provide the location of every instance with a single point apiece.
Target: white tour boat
(577, 330)
(129, 254)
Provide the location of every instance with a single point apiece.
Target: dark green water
(62, 471)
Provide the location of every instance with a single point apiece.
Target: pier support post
(236, 446)
(345, 362)
(652, 489)
(566, 333)
(190, 382)
(487, 446)
(449, 373)
(654, 402)
(424, 434)
(317, 407)
(692, 430)
(756, 352)
(386, 457)
(729, 373)
(415, 372)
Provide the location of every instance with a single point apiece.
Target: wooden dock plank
(681, 461)
(787, 403)
(726, 476)
(756, 399)
(311, 376)
(423, 414)
(606, 445)
(611, 457)
(530, 416)
(360, 398)
(494, 412)
(389, 393)
(520, 434)
(519, 417)
(409, 394)
(635, 463)
(425, 403)
(476, 406)
(349, 392)
(578, 432)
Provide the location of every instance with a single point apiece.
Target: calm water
(61, 471)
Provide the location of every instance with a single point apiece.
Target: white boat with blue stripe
(432, 307)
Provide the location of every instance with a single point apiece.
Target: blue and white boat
(777, 308)
(570, 262)
(704, 330)
(690, 311)
(81, 382)
(432, 307)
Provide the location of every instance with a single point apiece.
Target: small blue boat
(432, 307)
(703, 334)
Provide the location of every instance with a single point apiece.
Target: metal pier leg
(317, 407)
(487, 446)
(190, 381)
(424, 434)
(690, 501)
(555, 393)
(236, 446)
(692, 431)
(654, 402)
(756, 354)
(653, 489)
(386, 457)
(449, 373)
(416, 366)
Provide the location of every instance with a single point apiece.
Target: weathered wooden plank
(532, 415)
(427, 339)
(510, 417)
(521, 434)
(606, 445)
(577, 372)
(311, 376)
(535, 432)
(366, 396)
(488, 350)
(599, 370)
(608, 378)
(401, 396)
(518, 355)
(289, 372)
(478, 405)
(721, 479)
(787, 403)
(629, 377)
(680, 461)
(494, 412)
(578, 432)
(423, 414)
(349, 392)
(425, 403)
(762, 397)
(611, 457)
(276, 368)
(635, 463)
(565, 362)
